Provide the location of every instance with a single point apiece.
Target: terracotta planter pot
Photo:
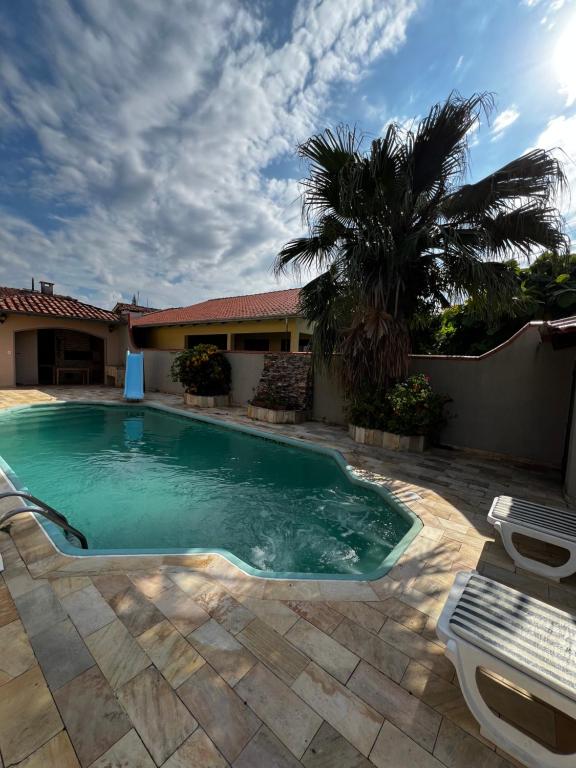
(207, 401)
(414, 443)
(276, 416)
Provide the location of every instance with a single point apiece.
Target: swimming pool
(145, 479)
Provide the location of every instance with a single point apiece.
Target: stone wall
(286, 383)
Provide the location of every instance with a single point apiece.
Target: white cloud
(163, 128)
(564, 61)
(503, 121)
(560, 135)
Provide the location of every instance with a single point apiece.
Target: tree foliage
(545, 290)
(394, 232)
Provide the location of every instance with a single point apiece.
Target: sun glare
(565, 61)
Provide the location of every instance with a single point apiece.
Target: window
(285, 345)
(219, 340)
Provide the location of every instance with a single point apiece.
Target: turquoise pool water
(137, 478)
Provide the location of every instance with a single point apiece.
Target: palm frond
(438, 153)
(534, 175)
(524, 228)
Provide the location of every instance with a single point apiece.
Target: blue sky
(149, 146)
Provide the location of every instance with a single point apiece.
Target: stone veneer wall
(286, 383)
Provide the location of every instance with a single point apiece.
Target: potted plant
(407, 416)
(205, 374)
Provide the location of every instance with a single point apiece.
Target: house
(46, 338)
(259, 322)
(122, 308)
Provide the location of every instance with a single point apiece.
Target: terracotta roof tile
(256, 305)
(26, 302)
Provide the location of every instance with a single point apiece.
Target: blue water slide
(134, 379)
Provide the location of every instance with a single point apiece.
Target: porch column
(294, 340)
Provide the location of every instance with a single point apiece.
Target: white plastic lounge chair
(531, 644)
(554, 526)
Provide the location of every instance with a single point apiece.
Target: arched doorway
(47, 356)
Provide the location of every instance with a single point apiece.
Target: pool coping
(205, 558)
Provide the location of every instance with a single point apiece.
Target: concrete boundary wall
(246, 371)
(512, 401)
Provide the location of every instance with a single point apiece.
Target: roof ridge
(243, 296)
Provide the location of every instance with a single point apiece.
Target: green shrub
(202, 370)
(410, 407)
(370, 410)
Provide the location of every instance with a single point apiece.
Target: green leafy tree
(394, 233)
(545, 290)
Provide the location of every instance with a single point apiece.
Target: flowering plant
(202, 370)
(410, 407)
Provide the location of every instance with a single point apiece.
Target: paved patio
(145, 662)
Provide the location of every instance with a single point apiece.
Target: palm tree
(394, 233)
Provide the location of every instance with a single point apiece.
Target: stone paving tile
(271, 612)
(117, 653)
(231, 614)
(348, 714)
(111, 584)
(28, 716)
(374, 650)
(204, 589)
(170, 653)
(8, 612)
(65, 585)
(93, 717)
(222, 651)
(21, 656)
(56, 753)
(393, 749)
(398, 706)
(361, 614)
(346, 590)
(429, 654)
(151, 584)
(420, 601)
(128, 752)
(39, 609)
(266, 751)
(161, 719)
(331, 750)
(430, 688)
(181, 610)
(319, 614)
(87, 609)
(197, 752)
(403, 614)
(220, 711)
(323, 649)
(287, 716)
(61, 653)
(456, 749)
(135, 611)
(279, 589)
(273, 650)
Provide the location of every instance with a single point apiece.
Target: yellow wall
(174, 336)
(114, 342)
